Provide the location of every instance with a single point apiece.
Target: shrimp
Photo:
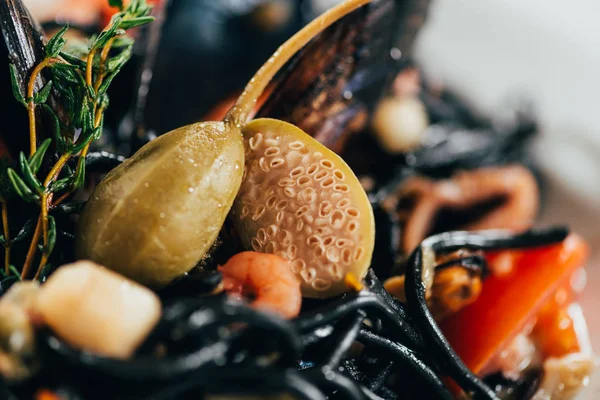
(267, 278)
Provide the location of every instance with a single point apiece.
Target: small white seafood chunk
(17, 334)
(98, 310)
(565, 377)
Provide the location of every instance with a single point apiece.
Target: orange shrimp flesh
(267, 279)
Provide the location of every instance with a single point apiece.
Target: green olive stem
(244, 105)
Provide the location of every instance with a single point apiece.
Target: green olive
(155, 216)
(301, 201)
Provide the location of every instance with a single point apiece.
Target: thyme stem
(103, 58)
(56, 169)
(90, 66)
(31, 103)
(44, 216)
(62, 198)
(46, 200)
(32, 247)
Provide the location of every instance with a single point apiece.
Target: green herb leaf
(103, 101)
(71, 59)
(28, 174)
(86, 119)
(25, 231)
(97, 133)
(118, 61)
(107, 82)
(15, 272)
(80, 176)
(76, 148)
(116, 3)
(21, 188)
(56, 44)
(133, 6)
(56, 131)
(107, 34)
(64, 66)
(122, 41)
(117, 16)
(91, 91)
(6, 188)
(80, 81)
(45, 272)
(60, 184)
(69, 75)
(35, 162)
(16, 89)
(51, 234)
(41, 96)
(135, 22)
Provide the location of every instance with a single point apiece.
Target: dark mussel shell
(332, 85)
(209, 50)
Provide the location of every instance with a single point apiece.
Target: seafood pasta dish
(264, 200)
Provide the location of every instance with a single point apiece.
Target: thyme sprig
(79, 83)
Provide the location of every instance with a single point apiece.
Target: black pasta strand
(317, 335)
(242, 380)
(343, 387)
(348, 335)
(495, 239)
(365, 300)
(407, 358)
(208, 314)
(454, 367)
(379, 380)
(475, 263)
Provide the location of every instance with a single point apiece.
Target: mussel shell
(338, 78)
(22, 45)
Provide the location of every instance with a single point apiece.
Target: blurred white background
(548, 51)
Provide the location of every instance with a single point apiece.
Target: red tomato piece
(508, 302)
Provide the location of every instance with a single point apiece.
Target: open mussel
(334, 83)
